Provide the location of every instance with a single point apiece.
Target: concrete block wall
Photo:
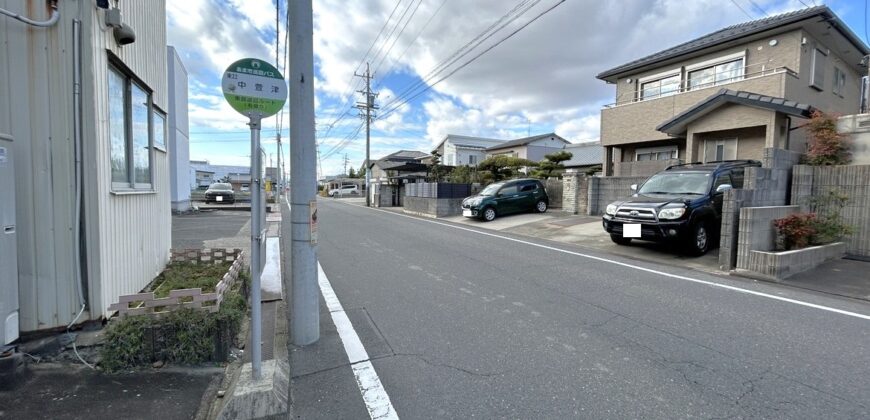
(601, 191)
(854, 182)
(433, 207)
(769, 185)
(781, 265)
(733, 201)
(756, 231)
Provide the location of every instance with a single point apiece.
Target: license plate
(467, 212)
(631, 230)
(219, 198)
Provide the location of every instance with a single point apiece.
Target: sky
(534, 70)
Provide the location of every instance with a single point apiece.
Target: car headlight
(475, 201)
(610, 209)
(672, 213)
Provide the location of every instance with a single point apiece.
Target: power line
(399, 35)
(465, 49)
(426, 25)
(463, 65)
(741, 9)
(350, 83)
(758, 7)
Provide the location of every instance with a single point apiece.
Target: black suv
(506, 197)
(681, 204)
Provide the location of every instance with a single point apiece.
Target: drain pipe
(55, 16)
(77, 145)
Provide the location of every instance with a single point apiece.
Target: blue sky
(540, 80)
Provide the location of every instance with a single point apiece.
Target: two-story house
(732, 93)
(533, 148)
(456, 150)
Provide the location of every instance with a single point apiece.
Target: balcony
(636, 120)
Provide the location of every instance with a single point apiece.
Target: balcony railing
(749, 72)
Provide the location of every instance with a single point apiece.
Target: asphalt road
(461, 324)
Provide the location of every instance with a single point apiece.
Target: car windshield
(677, 183)
(221, 187)
(491, 189)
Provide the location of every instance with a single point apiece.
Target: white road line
(375, 397)
(635, 267)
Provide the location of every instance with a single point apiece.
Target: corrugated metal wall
(134, 231)
(128, 237)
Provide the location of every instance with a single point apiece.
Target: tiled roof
(737, 31)
(525, 140)
(583, 154)
(677, 124)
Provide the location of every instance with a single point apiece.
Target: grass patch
(186, 336)
(186, 275)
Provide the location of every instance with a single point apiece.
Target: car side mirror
(633, 187)
(722, 188)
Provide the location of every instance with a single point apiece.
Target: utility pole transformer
(304, 310)
(368, 106)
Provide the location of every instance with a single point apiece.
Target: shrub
(794, 231)
(826, 145)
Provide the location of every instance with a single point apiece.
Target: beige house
(533, 148)
(732, 93)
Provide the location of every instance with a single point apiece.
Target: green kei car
(501, 198)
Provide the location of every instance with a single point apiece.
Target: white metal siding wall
(133, 231)
(177, 129)
(35, 98)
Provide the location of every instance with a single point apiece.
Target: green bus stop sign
(254, 88)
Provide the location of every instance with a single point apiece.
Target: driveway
(586, 231)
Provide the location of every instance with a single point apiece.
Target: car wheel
(489, 214)
(541, 206)
(619, 240)
(699, 239)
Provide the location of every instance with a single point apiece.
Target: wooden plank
(185, 292)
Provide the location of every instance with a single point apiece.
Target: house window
(817, 77)
(719, 150)
(472, 160)
(716, 75)
(661, 87)
(130, 134)
(656, 153)
(839, 82)
(159, 122)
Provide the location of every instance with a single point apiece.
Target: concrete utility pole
(368, 106)
(305, 304)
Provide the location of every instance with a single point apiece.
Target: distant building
(456, 150)
(178, 132)
(584, 156)
(239, 176)
(402, 163)
(533, 148)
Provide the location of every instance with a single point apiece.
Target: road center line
(636, 267)
(375, 397)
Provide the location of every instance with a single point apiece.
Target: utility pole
(304, 312)
(368, 106)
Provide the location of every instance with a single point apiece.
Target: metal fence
(437, 190)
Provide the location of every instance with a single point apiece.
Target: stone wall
(433, 207)
(756, 231)
(575, 187)
(854, 182)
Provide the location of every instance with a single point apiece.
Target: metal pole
(305, 304)
(368, 132)
(256, 324)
